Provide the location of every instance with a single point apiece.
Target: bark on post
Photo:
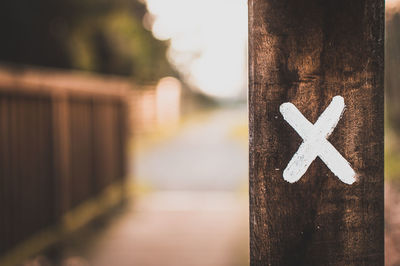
(306, 52)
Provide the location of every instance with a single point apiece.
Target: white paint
(315, 142)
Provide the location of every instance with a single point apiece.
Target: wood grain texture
(306, 52)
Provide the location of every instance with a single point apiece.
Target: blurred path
(207, 153)
(178, 228)
(196, 214)
(392, 223)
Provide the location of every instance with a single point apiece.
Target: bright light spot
(392, 3)
(168, 93)
(208, 41)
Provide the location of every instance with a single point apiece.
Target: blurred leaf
(103, 36)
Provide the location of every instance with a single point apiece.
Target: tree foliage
(105, 36)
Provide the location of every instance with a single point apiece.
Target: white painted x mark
(315, 142)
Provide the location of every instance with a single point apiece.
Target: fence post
(61, 144)
(301, 55)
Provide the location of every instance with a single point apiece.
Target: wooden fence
(62, 141)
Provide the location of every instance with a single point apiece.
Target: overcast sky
(208, 41)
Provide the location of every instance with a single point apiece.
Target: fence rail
(62, 141)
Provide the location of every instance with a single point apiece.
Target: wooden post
(61, 145)
(305, 53)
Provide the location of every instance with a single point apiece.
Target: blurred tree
(392, 67)
(392, 91)
(106, 36)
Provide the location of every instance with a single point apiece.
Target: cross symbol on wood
(315, 142)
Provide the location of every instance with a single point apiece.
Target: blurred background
(392, 133)
(123, 132)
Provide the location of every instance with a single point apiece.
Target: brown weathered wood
(306, 52)
(43, 80)
(48, 142)
(61, 146)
